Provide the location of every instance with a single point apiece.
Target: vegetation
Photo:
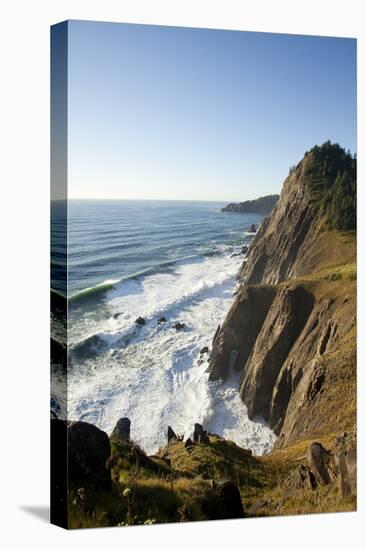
(262, 205)
(330, 173)
(145, 495)
(169, 487)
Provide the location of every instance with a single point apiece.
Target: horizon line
(160, 199)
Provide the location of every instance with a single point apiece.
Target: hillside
(262, 205)
(293, 322)
(294, 319)
(291, 334)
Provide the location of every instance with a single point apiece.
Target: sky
(195, 114)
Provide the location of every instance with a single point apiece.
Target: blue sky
(195, 114)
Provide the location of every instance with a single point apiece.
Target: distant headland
(263, 205)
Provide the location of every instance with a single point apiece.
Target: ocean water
(153, 259)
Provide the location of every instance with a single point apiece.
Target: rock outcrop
(200, 435)
(281, 328)
(88, 452)
(240, 329)
(171, 435)
(122, 429)
(223, 501)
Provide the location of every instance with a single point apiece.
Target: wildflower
(126, 493)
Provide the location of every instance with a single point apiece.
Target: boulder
(200, 435)
(204, 350)
(351, 463)
(140, 321)
(88, 452)
(253, 228)
(229, 493)
(179, 326)
(122, 429)
(161, 320)
(223, 501)
(345, 458)
(172, 437)
(244, 249)
(319, 459)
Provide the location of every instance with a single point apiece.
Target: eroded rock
(200, 435)
(319, 459)
(172, 437)
(122, 429)
(88, 452)
(223, 501)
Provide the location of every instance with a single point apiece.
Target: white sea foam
(151, 373)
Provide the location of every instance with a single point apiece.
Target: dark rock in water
(172, 437)
(204, 350)
(116, 315)
(223, 501)
(318, 459)
(253, 228)
(244, 249)
(161, 320)
(88, 452)
(122, 429)
(200, 435)
(179, 326)
(140, 321)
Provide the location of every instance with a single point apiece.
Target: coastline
(290, 335)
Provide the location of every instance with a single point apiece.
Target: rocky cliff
(291, 331)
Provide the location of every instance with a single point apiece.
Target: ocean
(153, 259)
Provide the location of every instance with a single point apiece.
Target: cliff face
(291, 330)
